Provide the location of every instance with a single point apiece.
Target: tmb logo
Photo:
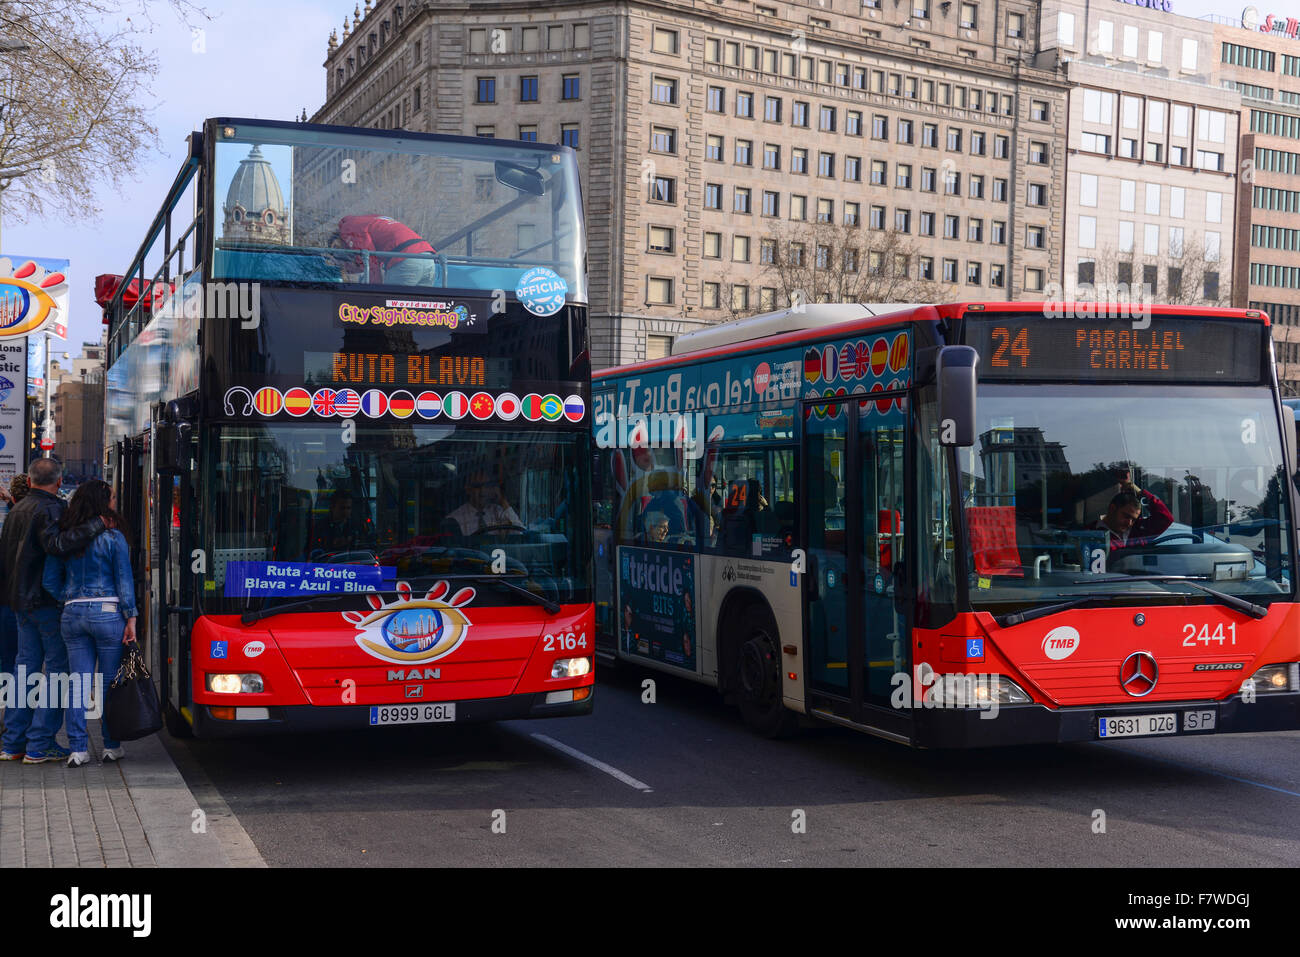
(1060, 643)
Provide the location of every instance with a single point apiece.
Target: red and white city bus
(347, 421)
(959, 525)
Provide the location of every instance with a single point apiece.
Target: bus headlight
(235, 684)
(570, 667)
(973, 691)
(1276, 678)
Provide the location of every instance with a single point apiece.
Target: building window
(827, 119)
(903, 175)
(853, 169)
(659, 291)
(772, 109)
(952, 183)
(825, 164)
(976, 186)
(930, 135)
(903, 220)
(951, 227)
(1037, 194)
(486, 132)
(712, 246)
(663, 89)
(572, 89)
(1039, 111)
(744, 152)
(928, 179)
(969, 16)
(663, 189)
(660, 239)
(925, 269)
(771, 203)
(998, 233)
(740, 199)
(1038, 153)
(925, 226)
(999, 190)
(997, 276)
(950, 270)
(745, 105)
(487, 89)
(713, 146)
(767, 252)
(663, 139)
(852, 213)
(767, 299)
(740, 298)
(771, 156)
(569, 135)
(799, 114)
(528, 89)
(665, 41)
(740, 249)
(1001, 147)
(879, 127)
(877, 217)
(1035, 237)
(715, 100)
(528, 133)
(879, 172)
(976, 143)
(799, 160)
(1015, 25)
(973, 273)
(905, 131)
(1087, 232)
(954, 140)
(825, 210)
(798, 207)
(658, 347)
(852, 123)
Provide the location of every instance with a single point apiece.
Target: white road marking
(598, 765)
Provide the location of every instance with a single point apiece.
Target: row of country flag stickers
(840, 397)
(854, 360)
(345, 403)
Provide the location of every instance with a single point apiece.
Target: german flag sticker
(297, 402)
(268, 401)
(401, 404)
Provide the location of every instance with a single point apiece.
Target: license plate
(1138, 725)
(1198, 720)
(412, 713)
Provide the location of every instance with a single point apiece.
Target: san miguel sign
(1279, 26)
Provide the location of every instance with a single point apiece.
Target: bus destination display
(1178, 349)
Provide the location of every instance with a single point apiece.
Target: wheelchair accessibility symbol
(975, 648)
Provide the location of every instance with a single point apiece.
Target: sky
(257, 58)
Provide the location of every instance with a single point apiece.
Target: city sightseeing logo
(413, 630)
(27, 298)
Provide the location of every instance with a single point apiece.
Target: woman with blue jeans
(99, 612)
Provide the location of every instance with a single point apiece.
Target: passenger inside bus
(485, 509)
(342, 531)
(385, 234)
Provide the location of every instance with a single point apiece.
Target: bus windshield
(1087, 489)
(444, 213)
(422, 501)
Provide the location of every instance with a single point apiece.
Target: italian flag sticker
(455, 405)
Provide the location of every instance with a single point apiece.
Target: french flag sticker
(507, 407)
(374, 403)
(428, 405)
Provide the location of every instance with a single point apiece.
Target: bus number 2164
(569, 642)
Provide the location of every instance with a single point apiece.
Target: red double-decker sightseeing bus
(959, 525)
(347, 421)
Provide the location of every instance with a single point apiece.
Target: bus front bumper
(307, 718)
(1036, 724)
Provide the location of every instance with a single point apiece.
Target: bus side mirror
(956, 370)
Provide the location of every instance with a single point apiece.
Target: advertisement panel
(13, 375)
(657, 593)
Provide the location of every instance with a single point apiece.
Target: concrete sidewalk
(137, 812)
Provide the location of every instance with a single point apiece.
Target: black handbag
(131, 709)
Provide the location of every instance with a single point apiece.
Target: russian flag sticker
(507, 407)
(481, 406)
(347, 402)
(374, 403)
(297, 402)
(574, 408)
(401, 404)
(455, 405)
(428, 405)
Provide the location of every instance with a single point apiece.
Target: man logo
(415, 691)
(1060, 643)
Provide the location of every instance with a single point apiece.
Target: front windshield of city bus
(1107, 489)
(302, 204)
(414, 504)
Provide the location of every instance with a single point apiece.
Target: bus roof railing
(813, 315)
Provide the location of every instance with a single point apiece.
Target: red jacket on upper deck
(381, 234)
(1144, 529)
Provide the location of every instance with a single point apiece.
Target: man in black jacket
(30, 531)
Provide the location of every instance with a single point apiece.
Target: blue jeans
(413, 272)
(8, 639)
(90, 633)
(39, 643)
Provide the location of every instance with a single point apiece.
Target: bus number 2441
(1191, 636)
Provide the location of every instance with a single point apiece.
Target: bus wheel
(757, 678)
(176, 724)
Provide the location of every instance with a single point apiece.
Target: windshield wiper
(552, 607)
(1232, 601)
(1042, 611)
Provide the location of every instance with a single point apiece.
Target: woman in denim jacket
(99, 611)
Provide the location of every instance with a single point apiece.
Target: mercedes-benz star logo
(1138, 674)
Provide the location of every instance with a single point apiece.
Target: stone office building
(715, 140)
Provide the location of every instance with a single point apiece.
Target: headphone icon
(248, 400)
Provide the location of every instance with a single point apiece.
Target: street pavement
(137, 812)
(679, 782)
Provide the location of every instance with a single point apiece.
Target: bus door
(173, 513)
(131, 482)
(855, 520)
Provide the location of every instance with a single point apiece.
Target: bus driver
(1123, 518)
